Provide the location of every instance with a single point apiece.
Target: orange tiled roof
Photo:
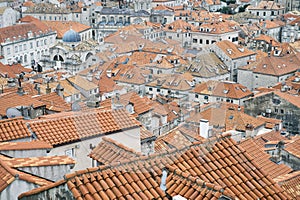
(268, 39)
(109, 151)
(22, 30)
(220, 163)
(13, 129)
(261, 140)
(37, 161)
(173, 81)
(8, 175)
(223, 89)
(226, 119)
(140, 105)
(295, 100)
(293, 147)
(34, 144)
(291, 184)
(234, 51)
(268, 24)
(263, 159)
(146, 134)
(11, 100)
(266, 5)
(180, 25)
(28, 4)
(172, 139)
(191, 131)
(132, 74)
(276, 66)
(219, 27)
(13, 70)
(54, 102)
(73, 126)
(61, 27)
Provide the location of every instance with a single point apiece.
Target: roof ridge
(169, 152)
(120, 145)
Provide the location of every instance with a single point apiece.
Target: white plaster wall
(130, 138)
(17, 187)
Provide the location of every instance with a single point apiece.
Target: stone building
(267, 9)
(268, 71)
(276, 104)
(233, 55)
(25, 42)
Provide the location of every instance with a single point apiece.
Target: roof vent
(163, 183)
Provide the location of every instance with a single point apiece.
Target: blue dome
(71, 36)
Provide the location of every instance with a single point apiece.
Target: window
(158, 90)
(70, 153)
(8, 50)
(31, 45)
(20, 47)
(37, 43)
(195, 40)
(150, 89)
(206, 97)
(281, 111)
(200, 41)
(196, 96)
(207, 41)
(24, 47)
(16, 49)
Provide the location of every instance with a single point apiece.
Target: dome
(71, 36)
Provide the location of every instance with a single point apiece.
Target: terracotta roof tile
(80, 125)
(13, 129)
(12, 70)
(262, 139)
(293, 147)
(172, 139)
(263, 159)
(8, 175)
(234, 51)
(54, 102)
(38, 161)
(144, 175)
(290, 183)
(11, 32)
(35, 144)
(109, 151)
(173, 81)
(273, 65)
(140, 104)
(146, 134)
(226, 119)
(63, 26)
(223, 89)
(266, 5)
(11, 100)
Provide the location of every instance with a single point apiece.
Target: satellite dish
(13, 112)
(75, 106)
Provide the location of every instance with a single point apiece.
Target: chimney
(204, 128)
(59, 90)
